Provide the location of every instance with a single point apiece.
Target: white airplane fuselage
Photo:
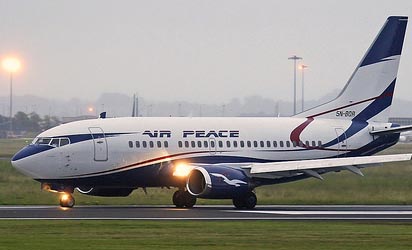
(128, 144)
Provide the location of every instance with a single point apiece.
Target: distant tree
(21, 122)
(34, 122)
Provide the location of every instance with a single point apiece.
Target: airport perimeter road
(394, 213)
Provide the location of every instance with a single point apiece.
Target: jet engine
(217, 182)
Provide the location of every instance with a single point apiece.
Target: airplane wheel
(66, 200)
(179, 199)
(183, 199)
(248, 201)
(190, 200)
(238, 203)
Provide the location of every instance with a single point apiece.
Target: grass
(203, 235)
(387, 184)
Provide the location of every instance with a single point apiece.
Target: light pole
(294, 58)
(11, 65)
(303, 67)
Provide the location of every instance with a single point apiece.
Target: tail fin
(368, 94)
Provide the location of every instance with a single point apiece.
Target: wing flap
(349, 162)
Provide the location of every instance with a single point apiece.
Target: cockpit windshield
(54, 142)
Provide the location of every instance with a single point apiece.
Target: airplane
(226, 158)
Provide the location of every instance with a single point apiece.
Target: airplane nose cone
(23, 160)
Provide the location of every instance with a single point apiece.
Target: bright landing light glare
(182, 170)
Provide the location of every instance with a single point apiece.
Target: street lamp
(11, 65)
(303, 67)
(294, 58)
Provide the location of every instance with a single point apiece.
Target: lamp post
(11, 65)
(294, 58)
(303, 67)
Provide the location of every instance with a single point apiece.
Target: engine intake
(217, 182)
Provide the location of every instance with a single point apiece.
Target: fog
(188, 51)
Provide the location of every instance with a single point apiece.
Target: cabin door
(99, 144)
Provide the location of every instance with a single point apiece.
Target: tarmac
(218, 212)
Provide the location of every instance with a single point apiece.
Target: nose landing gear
(66, 200)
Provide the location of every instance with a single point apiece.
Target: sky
(192, 50)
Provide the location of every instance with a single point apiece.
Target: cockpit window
(64, 141)
(54, 142)
(42, 141)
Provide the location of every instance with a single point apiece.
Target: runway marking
(217, 218)
(326, 212)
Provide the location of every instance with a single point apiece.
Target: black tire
(190, 200)
(67, 200)
(250, 200)
(238, 203)
(179, 199)
(247, 201)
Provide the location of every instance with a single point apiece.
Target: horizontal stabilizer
(392, 130)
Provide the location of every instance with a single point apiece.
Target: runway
(278, 212)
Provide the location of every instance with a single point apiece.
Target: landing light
(64, 197)
(182, 170)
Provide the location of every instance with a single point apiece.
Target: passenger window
(249, 144)
(130, 144)
(166, 144)
(159, 144)
(205, 144)
(186, 144)
(180, 144)
(228, 144)
(242, 144)
(220, 144)
(235, 144)
(193, 144)
(151, 143)
(64, 141)
(313, 144)
(144, 144)
(288, 144)
(54, 143)
(199, 144)
(212, 144)
(294, 143)
(307, 143)
(281, 144)
(275, 144)
(137, 144)
(319, 143)
(255, 144)
(262, 144)
(268, 144)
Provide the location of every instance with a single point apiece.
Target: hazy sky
(205, 51)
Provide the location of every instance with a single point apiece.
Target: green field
(203, 235)
(387, 184)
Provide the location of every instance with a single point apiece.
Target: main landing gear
(247, 201)
(183, 199)
(66, 200)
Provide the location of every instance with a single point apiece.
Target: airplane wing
(391, 130)
(312, 167)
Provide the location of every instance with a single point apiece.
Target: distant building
(403, 121)
(77, 118)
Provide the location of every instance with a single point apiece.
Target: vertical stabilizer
(368, 94)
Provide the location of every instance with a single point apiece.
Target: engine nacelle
(217, 182)
(106, 192)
